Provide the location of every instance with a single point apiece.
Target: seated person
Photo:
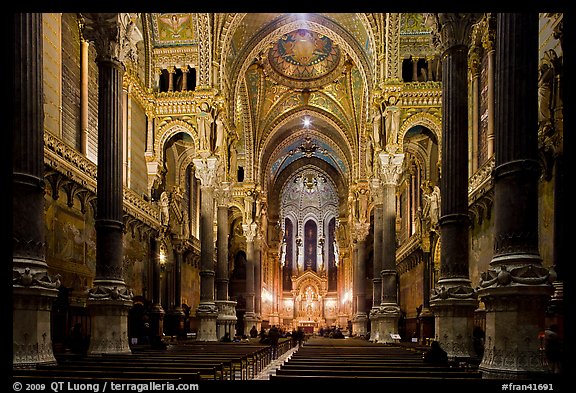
(436, 355)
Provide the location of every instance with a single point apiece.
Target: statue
(220, 133)
(545, 88)
(392, 120)
(205, 120)
(232, 155)
(369, 157)
(336, 252)
(164, 208)
(376, 133)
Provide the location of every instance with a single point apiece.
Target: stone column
(157, 312)
(516, 287)
(474, 64)
(226, 308)
(377, 197)
(414, 69)
(360, 319)
(109, 300)
(84, 76)
(250, 316)
(176, 313)
(389, 312)
(184, 78)
(171, 72)
(453, 301)
(206, 312)
(488, 44)
(33, 290)
(258, 276)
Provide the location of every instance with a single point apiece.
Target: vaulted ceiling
(298, 86)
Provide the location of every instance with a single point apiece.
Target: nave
(329, 362)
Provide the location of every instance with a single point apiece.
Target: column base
(387, 316)
(515, 317)
(32, 341)
(226, 318)
(157, 326)
(426, 326)
(454, 324)
(207, 314)
(360, 325)
(109, 326)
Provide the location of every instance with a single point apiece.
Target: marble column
(488, 45)
(453, 300)
(474, 64)
(377, 197)
(171, 72)
(226, 308)
(258, 276)
(177, 315)
(250, 318)
(360, 319)
(516, 287)
(185, 70)
(33, 289)
(157, 312)
(206, 312)
(389, 312)
(109, 300)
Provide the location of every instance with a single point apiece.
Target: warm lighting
(307, 122)
(347, 297)
(266, 296)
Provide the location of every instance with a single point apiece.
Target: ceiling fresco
(304, 54)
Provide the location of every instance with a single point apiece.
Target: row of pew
(186, 361)
(325, 359)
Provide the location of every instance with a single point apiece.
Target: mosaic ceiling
(304, 54)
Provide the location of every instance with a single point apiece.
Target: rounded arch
(432, 122)
(275, 191)
(279, 154)
(314, 22)
(168, 130)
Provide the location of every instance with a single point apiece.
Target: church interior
(181, 177)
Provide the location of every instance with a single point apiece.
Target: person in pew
(273, 337)
(226, 338)
(436, 355)
(253, 332)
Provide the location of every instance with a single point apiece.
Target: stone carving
(110, 293)
(524, 275)
(40, 279)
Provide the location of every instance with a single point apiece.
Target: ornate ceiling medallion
(304, 56)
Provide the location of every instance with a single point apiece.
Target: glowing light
(347, 297)
(307, 122)
(266, 296)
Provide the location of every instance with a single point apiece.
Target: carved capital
(222, 194)
(377, 191)
(114, 35)
(206, 170)
(391, 167)
(361, 230)
(451, 29)
(250, 231)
